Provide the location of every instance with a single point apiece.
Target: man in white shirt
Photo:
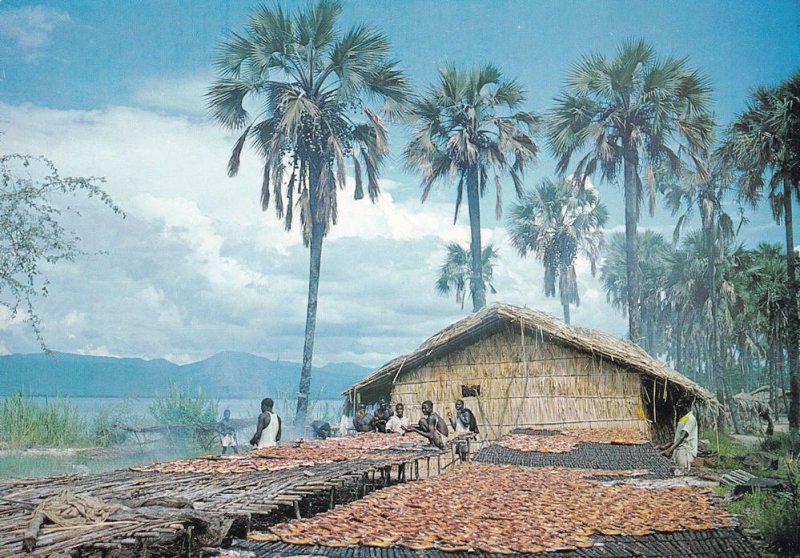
(268, 432)
(683, 449)
(397, 421)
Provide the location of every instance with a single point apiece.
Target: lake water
(138, 409)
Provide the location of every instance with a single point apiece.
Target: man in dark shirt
(363, 420)
(382, 414)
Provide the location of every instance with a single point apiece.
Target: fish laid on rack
(520, 510)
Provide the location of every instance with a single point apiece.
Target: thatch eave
(491, 319)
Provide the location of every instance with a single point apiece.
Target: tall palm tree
(764, 142)
(703, 186)
(455, 274)
(309, 81)
(765, 280)
(630, 113)
(556, 221)
(469, 128)
(652, 268)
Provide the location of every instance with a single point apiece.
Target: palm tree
(628, 113)
(765, 280)
(652, 267)
(456, 271)
(764, 141)
(469, 128)
(556, 221)
(704, 187)
(309, 81)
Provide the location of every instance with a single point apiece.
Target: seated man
(431, 426)
(466, 427)
(363, 420)
(399, 421)
(381, 415)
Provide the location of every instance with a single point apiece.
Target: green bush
(192, 414)
(786, 443)
(775, 516)
(106, 433)
(26, 423)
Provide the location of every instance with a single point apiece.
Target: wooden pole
(29, 539)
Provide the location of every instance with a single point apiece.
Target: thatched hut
(516, 367)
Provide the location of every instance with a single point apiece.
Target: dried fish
(517, 510)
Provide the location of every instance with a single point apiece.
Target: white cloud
(30, 28)
(197, 267)
(180, 95)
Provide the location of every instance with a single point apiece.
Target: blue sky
(115, 89)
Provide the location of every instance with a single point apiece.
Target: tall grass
(26, 423)
(184, 408)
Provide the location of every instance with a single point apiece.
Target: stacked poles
(242, 496)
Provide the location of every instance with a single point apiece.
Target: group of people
(431, 425)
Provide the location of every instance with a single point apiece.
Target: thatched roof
(491, 319)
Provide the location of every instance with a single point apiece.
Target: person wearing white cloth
(398, 421)
(683, 449)
(268, 432)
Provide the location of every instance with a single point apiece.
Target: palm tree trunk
(773, 402)
(679, 348)
(311, 326)
(631, 244)
(477, 287)
(565, 306)
(708, 233)
(315, 262)
(793, 329)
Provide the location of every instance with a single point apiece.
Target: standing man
(227, 433)
(381, 416)
(268, 432)
(466, 428)
(399, 421)
(431, 426)
(683, 449)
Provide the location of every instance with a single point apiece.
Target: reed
(27, 423)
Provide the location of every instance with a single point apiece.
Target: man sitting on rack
(431, 426)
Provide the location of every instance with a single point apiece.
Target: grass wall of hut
(526, 380)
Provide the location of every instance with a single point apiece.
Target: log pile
(522, 510)
(208, 499)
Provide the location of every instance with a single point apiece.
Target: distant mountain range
(224, 375)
